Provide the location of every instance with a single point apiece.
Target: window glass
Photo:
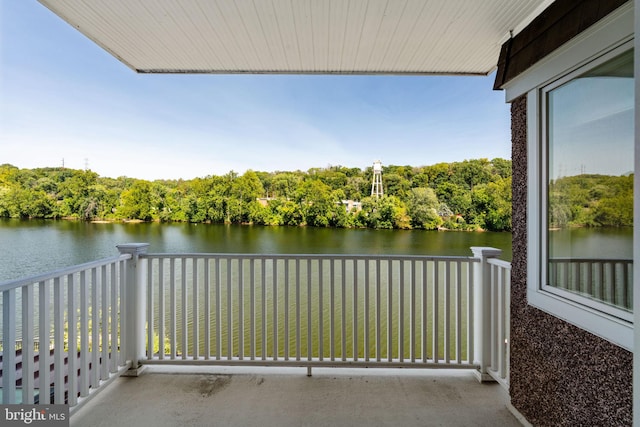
(590, 153)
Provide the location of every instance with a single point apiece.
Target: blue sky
(63, 97)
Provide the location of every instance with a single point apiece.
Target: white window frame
(610, 36)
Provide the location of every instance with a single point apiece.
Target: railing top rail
(17, 283)
(311, 256)
(499, 263)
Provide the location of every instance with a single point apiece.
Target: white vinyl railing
(500, 283)
(111, 316)
(80, 308)
(309, 310)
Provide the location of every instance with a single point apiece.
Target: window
(588, 145)
(581, 149)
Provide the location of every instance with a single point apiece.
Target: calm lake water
(36, 246)
(31, 247)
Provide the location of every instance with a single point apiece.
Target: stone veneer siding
(561, 375)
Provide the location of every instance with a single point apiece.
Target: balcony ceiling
(301, 36)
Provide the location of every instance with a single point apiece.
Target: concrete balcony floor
(233, 396)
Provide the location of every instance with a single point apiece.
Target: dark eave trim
(559, 23)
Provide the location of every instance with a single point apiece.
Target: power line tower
(376, 184)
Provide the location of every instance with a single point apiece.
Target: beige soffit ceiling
(301, 36)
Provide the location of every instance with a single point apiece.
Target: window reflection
(590, 156)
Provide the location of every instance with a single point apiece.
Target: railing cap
(485, 252)
(133, 248)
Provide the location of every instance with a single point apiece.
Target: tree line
(468, 195)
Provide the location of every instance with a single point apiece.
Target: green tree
(135, 202)
(457, 198)
(316, 201)
(285, 184)
(396, 185)
(422, 207)
(472, 172)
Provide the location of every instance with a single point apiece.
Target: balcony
(237, 396)
(232, 322)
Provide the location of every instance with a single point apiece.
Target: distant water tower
(376, 184)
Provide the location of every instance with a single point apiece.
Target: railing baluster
(497, 303)
(113, 336)
(309, 313)
(207, 309)
(499, 345)
(378, 311)
(28, 364)
(458, 322)
(173, 336)
(320, 309)
(229, 265)
(84, 335)
(628, 282)
(45, 332)
(588, 283)
(401, 313)
(150, 312)
(286, 309)
(575, 277)
(599, 286)
(9, 352)
(252, 314)
(343, 311)
(104, 311)
(412, 314)
(436, 321)
(58, 346)
(195, 311)
(161, 309)
(297, 276)
(241, 308)
(367, 319)
(447, 312)
(470, 316)
(507, 326)
(218, 290)
(389, 310)
(424, 311)
(183, 301)
(608, 297)
(263, 287)
(274, 285)
(624, 286)
(122, 264)
(355, 310)
(332, 342)
(95, 327)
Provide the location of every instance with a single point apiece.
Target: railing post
(482, 310)
(134, 300)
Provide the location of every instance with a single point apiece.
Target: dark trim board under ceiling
(559, 23)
